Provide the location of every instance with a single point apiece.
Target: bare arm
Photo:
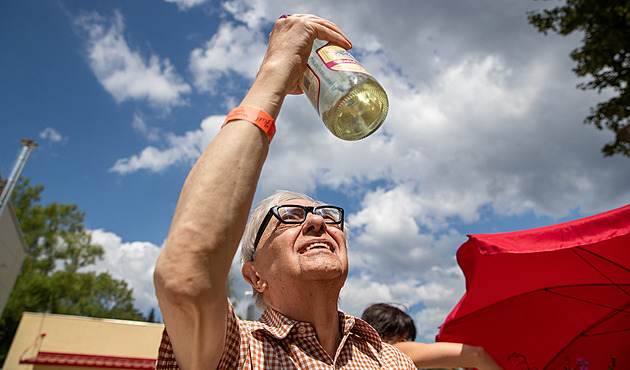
(216, 198)
(448, 355)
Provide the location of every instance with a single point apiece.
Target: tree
(151, 316)
(50, 281)
(604, 56)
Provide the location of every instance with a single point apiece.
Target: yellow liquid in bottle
(349, 100)
(358, 113)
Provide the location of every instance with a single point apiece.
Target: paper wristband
(254, 115)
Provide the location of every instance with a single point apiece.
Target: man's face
(290, 254)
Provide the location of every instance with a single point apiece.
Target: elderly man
(294, 248)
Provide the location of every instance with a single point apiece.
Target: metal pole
(20, 161)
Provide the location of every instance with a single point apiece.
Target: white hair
(251, 229)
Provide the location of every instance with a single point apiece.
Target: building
(12, 244)
(64, 342)
(12, 251)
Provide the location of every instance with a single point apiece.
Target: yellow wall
(82, 335)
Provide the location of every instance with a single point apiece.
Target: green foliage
(604, 56)
(50, 281)
(151, 316)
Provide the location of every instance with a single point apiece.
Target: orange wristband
(254, 115)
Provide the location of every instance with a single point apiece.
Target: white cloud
(232, 51)
(186, 4)
(150, 133)
(254, 13)
(435, 290)
(51, 134)
(179, 149)
(130, 261)
(482, 116)
(124, 73)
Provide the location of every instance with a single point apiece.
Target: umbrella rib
(494, 304)
(583, 333)
(598, 270)
(622, 309)
(604, 332)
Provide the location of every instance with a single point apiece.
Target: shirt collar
(279, 326)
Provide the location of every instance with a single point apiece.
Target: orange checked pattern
(277, 342)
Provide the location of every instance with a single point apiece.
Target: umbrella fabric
(556, 297)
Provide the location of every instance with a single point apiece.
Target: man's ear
(251, 276)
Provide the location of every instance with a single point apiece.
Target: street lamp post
(20, 161)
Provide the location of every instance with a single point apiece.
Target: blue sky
(484, 133)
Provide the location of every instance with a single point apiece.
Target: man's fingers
(323, 29)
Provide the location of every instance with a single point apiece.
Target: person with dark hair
(391, 323)
(397, 328)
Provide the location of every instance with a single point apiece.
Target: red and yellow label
(337, 58)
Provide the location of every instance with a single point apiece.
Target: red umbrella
(556, 297)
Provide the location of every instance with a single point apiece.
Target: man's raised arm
(215, 200)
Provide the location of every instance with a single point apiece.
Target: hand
(290, 44)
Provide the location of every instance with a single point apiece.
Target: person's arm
(448, 355)
(215, 200)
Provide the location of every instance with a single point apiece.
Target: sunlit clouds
(484, 133)
(124, 73)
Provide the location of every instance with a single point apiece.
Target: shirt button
(301, 330)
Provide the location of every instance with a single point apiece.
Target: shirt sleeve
(166, 358)
(231, 350)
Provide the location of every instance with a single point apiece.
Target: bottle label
(337, 58)
(310, 84)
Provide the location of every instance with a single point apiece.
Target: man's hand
(290, 44)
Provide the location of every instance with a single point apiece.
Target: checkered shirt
(277, 342)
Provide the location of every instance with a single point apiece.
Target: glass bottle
(348, 99)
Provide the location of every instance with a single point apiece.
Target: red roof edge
(81, 360)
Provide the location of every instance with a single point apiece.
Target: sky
(485, 130)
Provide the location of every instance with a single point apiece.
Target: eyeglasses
(294, 214)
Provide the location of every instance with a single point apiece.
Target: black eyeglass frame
(274, 211)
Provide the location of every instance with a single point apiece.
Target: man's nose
(314, 222)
